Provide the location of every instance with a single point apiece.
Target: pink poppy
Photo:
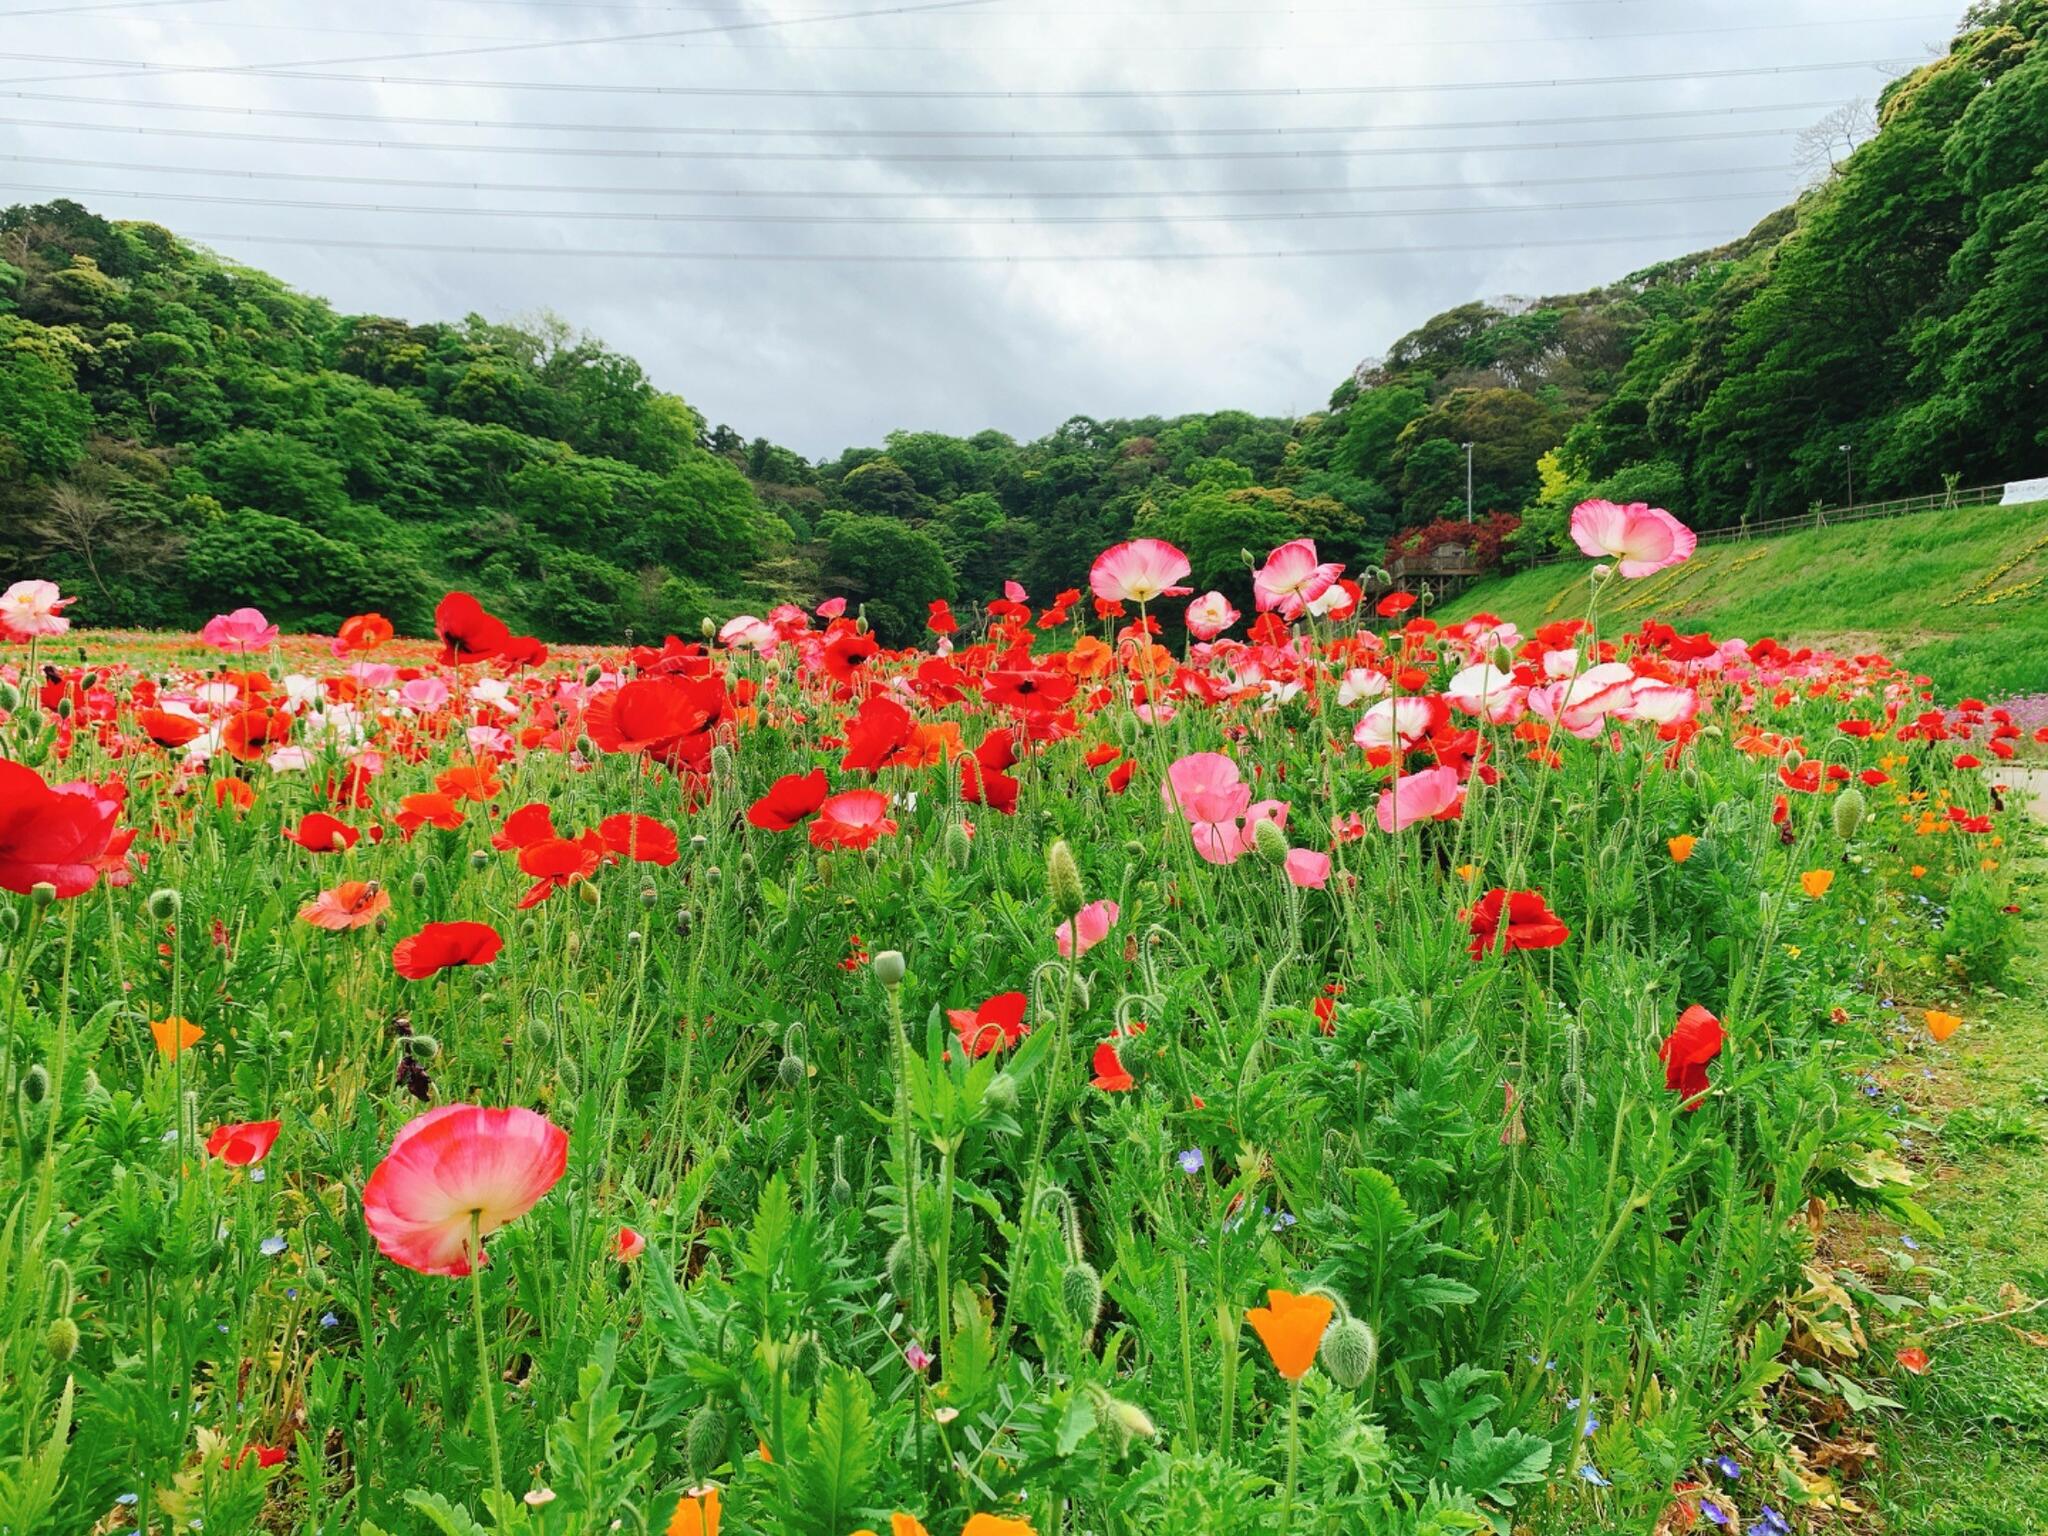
(832, 608)
(1093, 922)
(1486, 692)
(1014, 591)
(454, 1166)
(239, 632)
(747, 633)
(1431, 795)
(1645, 539)
(1307, 868)
(425, 694)
(32, 608)
(1209, 615)
(1138, 572)
(1582, 705)
(1292, 578)
(852, 819)
(1405, 722)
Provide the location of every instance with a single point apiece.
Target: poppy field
(1121, 1066)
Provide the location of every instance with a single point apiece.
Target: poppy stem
(483, 1356)
(1293, 1454)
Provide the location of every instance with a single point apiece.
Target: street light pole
(1849, 467)
(1468, 482)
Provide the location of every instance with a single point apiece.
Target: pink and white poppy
(1486, 692)
(1662, 703)
(239, 632)
(32, 608)
(453, 1166)
(1645, 539)
(1583, 703)
(1336, 603)
(1406, 722)
(1139, 571)
(1209, 615)
(424, 694)
(1092, 923)
(1360, 684)
(748, 633)
(1431, 795)
(1292, 578)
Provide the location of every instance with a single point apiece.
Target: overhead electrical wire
(949, 258)
(909, 157)
(786, 132)
(947, 220)
(816, 194)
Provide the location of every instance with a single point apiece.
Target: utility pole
(1849, 467)
(1468, 482)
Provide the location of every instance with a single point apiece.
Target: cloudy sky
(822, 219)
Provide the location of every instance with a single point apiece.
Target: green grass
(1969, 1456)
(1962, 596)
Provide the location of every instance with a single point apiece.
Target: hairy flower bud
(61, 1339)
(704, 1441)
(1063, 879)
(790, 1071)
(958, 845)
(1349, 1352)
(1850, 809)
(35, 1084)
(42, 893)
(807, 1362)
(164, 904)
(1269, 841)
(889, 968)
(1081, 1294)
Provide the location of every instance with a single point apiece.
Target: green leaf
(838, 1463)
(1488, 1465)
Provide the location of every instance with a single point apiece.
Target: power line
(637, 129)
(754, 194)
(864, 93)
(909, 157)
(1026, 258)
(106, 5)
(1325, 46)
(946, 219)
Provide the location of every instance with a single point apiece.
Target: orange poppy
(696, 1513)
(1941, 1025)
(1815, 882)
(175, 1035)
(1681, 847)
(351, 904)
(1291, 1327)
(469, 781)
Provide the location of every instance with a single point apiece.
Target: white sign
(2020, 492)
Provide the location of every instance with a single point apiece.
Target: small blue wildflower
(1191, 1161)
(128, 1498)
(291, 1293)
(256, 1175)
(1713, 1511)
(1908, 1243)
(329, 1320)
(1283, 1221)
(272, 1246)
(1728, 1467)
(1592, 1475)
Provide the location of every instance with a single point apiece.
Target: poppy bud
(540, 1034)
(10, 697)
(842, 1192)
(1349, 1352)
(1134, 849)
(699, 842)
(35, 1084)
(89, 680)
(10, 921)
(806, 1363)
(1081, 1293)
(1850, 809)
(747, 865)
(790, 1072)
(889, 968)
(635, 939)
(478, 858)
(1063, 880)
(683, 922)
(587, 894)
(42, 893)
(1269, 842)
(721, 761)
(591, 674)
(958, 845)
(61, 1339)
(1123, 1422)
(901, 1266)
(707, 629)
(704, 1441)
(64, 707)
(164, 904)
(421, 1047)
(570, 1074)
(649, 896)
(1002, 1093)
(584, 748)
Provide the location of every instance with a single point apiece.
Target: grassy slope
(1969, 1456)
(1914, 587)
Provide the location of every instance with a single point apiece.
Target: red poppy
(875, 736)
(847, 655)
(639, 838)
(528, 824)
(555, 862)
(1695, 1040)
(1508, 920)
(241, 1145)
(671, 719)
(467, 632)
(997, 1024)
(941, 621)
(1110, 1075)
(52, 833)
(248, 732)
(364, 632)
(416, 811)
(440, 946)
(790, 800)
(1028, 688)
(319, 832)
(1120, 776)
(236, 790)
(165, 728)
(524, 651)
(469, 781)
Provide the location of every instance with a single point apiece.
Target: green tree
(44, 420)
(892, 571)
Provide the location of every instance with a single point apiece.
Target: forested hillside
(174, 427)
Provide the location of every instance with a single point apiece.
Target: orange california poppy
(996, 1525)
(175, 1035)
(469, 781)
(1815, 882)
(351, 904)
(1291, 1327)
(1681, 847)
(696, 1513)
(1941, 1025)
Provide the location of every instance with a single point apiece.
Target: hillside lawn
(1961, 596)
